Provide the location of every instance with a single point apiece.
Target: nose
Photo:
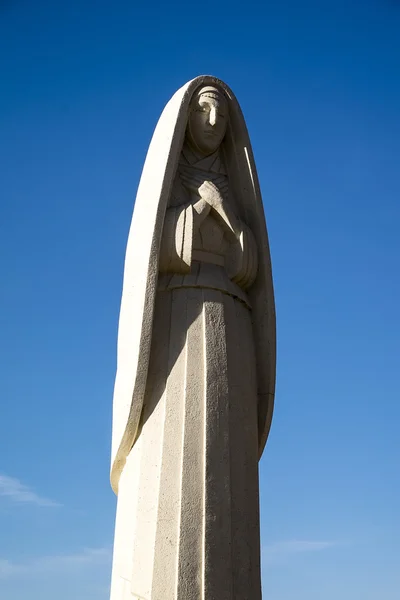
(213, 116)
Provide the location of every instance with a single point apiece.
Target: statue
(195, 376)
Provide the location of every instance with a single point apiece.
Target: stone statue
(196, 361)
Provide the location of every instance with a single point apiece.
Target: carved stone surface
(196, 361)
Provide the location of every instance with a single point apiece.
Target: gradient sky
(82, 86)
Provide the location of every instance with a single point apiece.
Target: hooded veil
(141, 272)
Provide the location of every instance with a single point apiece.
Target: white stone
(195, 376)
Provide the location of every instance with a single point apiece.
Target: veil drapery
(142, 261)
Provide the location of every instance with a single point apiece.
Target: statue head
(208, 119)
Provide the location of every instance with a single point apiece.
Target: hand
(210, 193)
(191, 181)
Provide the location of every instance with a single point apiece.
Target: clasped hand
(213, 195)
(207, 190)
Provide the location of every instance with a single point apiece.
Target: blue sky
(83, 84)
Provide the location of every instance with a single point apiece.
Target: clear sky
(82, 86)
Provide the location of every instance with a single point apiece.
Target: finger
(193, 180)
(210, 185)
(189, 181)
(189, 186)
(224, 186)
(186, 175)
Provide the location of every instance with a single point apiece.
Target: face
(208, 119)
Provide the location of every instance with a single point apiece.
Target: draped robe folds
(187, 525)
(195, 461)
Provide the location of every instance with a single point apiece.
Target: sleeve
(242, 259)
(177, 240)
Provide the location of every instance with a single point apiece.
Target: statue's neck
(193, 154)
(193, 158)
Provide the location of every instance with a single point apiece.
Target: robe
(188, 492)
